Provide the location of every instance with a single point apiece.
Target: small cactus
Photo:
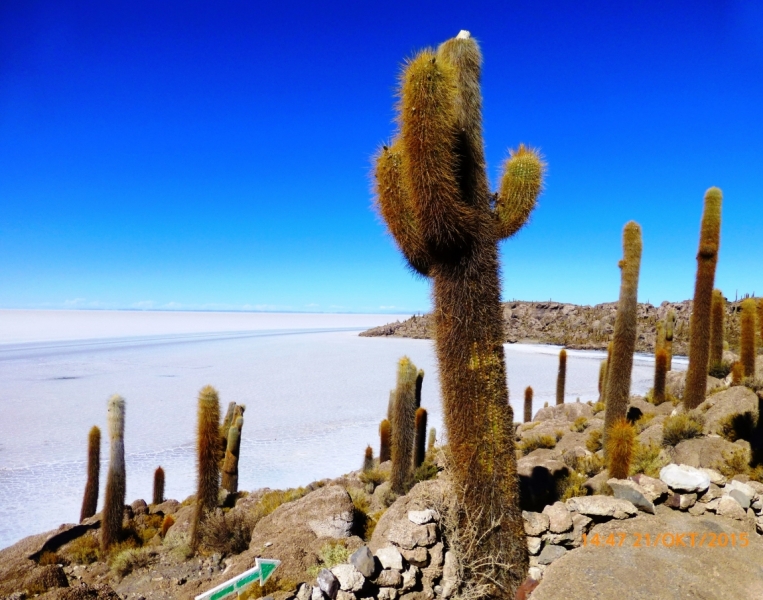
(116, 480)
(419, 451)
(158, 486)
(602, 379)
(403, 426)
(90, 498)
(232, 451)
(619, 448)
(747, 338)
(385, 441)
(208, 455)
(528, 404)
(432, 439)
(561, 377)
(626, 325)
(717, 318)
(660, 375)
(699, 324)
(368, 459)
(167, 522)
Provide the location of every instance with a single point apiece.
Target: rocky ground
(573, 326)
(687, 523)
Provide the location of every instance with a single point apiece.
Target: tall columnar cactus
(528, 404)
(228, 421)
(760, 319)
(207, 457)
(747, 338)
(561, 376)
(619, 448)
(602, 379)
(432, 439)
(699, 324)
(660, 375)
(670, 324)
(737, 373)
(717, 325)
(620, 365)
(385, 441)
(158, 486)
(659, 336)
(90, 498)
(420, 439)
(419, 383)
(403, 426)
(116, 480)
(232, 451)
(368, 459)
(433, 193)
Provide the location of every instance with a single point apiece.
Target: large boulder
(719, 407)
(705, 452)
(564, 412)
(676, 382)
(638, 573)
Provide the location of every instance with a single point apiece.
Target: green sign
(264, 568)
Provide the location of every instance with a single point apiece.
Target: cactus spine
(403, 426)
(620, 364)
(116, 480)
(419, 445)
(718, 312)
(208, 455)
(528, 404)
(660, 375)
(158, 486)
(90, 498)
(433, 193)
(619, 449)
(368, 459)
(385, 441)
(561, 376)
(232, 451)
(747, 338)
(699, 324)
(670, 323)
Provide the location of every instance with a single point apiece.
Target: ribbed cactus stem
(90, 498)
(116, 480)
(368, 459)
(670, 322)
(232, 451)
(158, 486)
(403, 426)
(385, 441)
(747, 337)
(660, 375)
(207, 457)
(620, 364)
(420, 438)
(699, 324)
(561, 377)
(717, 326)
(528, 404)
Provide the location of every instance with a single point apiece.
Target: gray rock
(550, 553)
(449, 575)
(711, 493)
(437, 554)
(409, 535)
(533, 544)
(304, 592)
(681, 501)
(572, 538)
(728, 507)
(655, 490)
(698, 509)
(389, 578)
(168, 507)
(714, 476)
(559, 517)
(632, 492)
(139, 507)
(733, 401)
(418, 556)
(684, 478)
(350, 579)
(739, 496)
(363, 561)
(759, 524)
(602, 506)
(744, 489)
(703, 452)
(757, 506)
(317, 593)
(410, 578)
(390, 558)
(712, 506)
(341, 595)
(422, 517)
(535, 523)
(327, 583)
(535, 573)
(387, 593)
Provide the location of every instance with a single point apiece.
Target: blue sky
(216, 155)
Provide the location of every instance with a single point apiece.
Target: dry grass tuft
(538, 441)
(682, 426)
(579, 424)
(84, 550)
(226, 533)
(127, 561)
(647, 460)
(593, 443)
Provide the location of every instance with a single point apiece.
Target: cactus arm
(521, 184)
(430, 163)
(394, 205)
